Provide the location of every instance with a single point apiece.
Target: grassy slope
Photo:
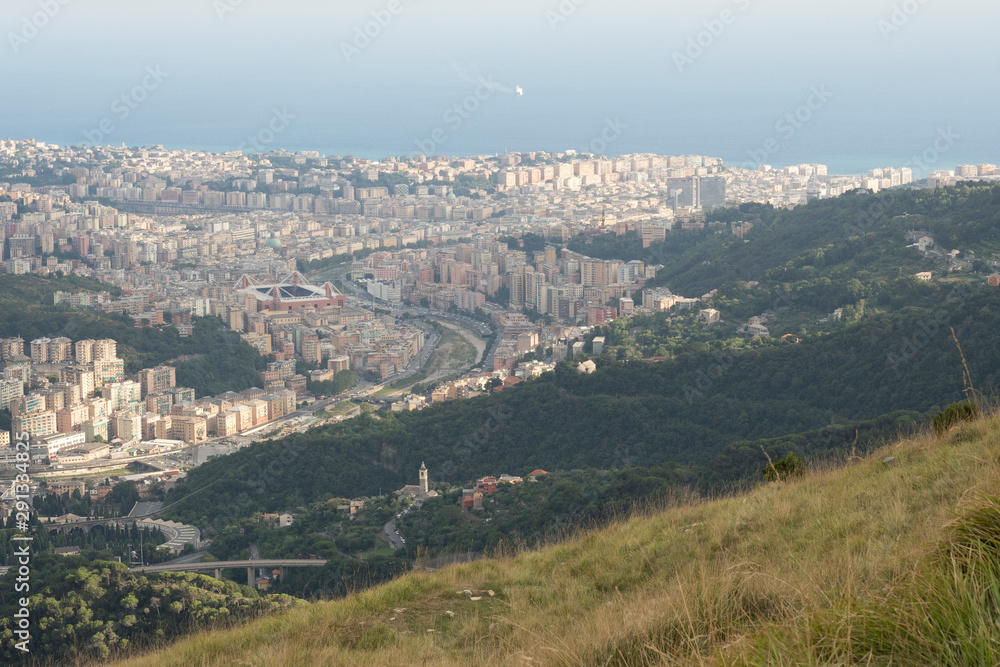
(773, 577)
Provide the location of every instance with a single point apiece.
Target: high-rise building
(596, 272)
(40, 351)
(685, 192)
(160, 403)
(713, 192)
(81, 376)
(121, 395)
(10, 390)
(127, 426)
(22, 245)
(338, 364)
(311, 353)
(81, 244)
(533, 280)
(52, 351)
(71, 417)
(105, 350)
(84, 351)
(106, 372)
(60, 349)
(11, 348)
(35, 423)
(156, 380)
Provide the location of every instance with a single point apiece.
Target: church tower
(424, 488)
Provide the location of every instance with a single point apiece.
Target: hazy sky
(898, 71)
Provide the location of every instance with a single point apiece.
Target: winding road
(389, 533)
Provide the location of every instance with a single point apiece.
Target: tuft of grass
(861, 564)
(943, 612)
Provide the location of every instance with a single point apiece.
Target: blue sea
(845, 132)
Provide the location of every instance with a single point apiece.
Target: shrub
(790, 466)
(955, 413)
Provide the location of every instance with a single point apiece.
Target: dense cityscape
(554, 333)
(341, 286)
(186, 235)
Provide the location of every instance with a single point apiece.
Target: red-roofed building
(472, 499)
(508, 381)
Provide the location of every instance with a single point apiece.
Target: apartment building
(156, 380)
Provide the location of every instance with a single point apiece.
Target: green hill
(880, 561)
(858, 236)
(705, 414)
(84, 609)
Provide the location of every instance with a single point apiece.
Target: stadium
(291, 293)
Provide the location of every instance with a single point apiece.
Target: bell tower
(424, 488)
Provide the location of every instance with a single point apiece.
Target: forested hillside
(699, 411)
(83, 611)
(890, 559)
(857, 236)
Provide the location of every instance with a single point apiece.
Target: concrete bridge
(177, 534)
(216, 567)
(86, 525)
(143, 515)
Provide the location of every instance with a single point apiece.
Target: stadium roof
(293, 289)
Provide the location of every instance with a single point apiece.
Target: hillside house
(598, 344)
(472, 499)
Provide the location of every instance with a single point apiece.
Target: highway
(419, 361)
(364, 299)
(488, 359)
(193, 557)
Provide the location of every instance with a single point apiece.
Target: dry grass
(790, 573)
